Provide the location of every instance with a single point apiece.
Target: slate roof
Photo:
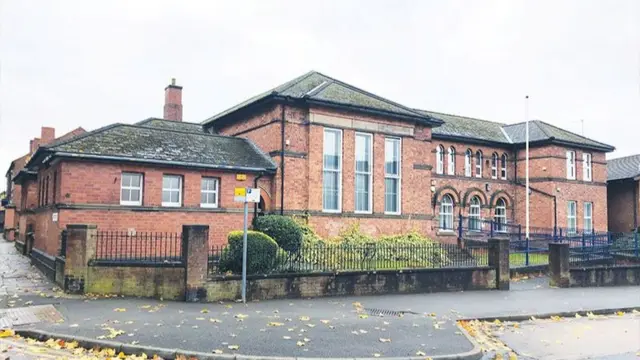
(171, 125)
(125, 142)
(318, 88)
(623, 168)
(467, 127)
(540, 131)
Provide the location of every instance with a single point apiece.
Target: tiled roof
(540, 131)
(623, 168)
(319, 88)
(466, 127)
(154, 145)
(171, 125)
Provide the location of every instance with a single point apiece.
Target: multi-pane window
(494, 165)
(588, 217)
(364, 160)
(500, 215)
(571, 217)
(474, 214)
(209, 192)
(392, 175)
(503, 167)
(587, 172)
(571, 165)
(446, 213)
(171, 190)
(332, 171)
(451, 165)
(131, 189)
(478, 163)
(440, 159)
(468, 155)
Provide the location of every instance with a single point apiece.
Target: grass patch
(520, 259)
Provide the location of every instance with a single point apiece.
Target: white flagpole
(526, 114)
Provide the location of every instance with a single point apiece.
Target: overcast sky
(66, 64)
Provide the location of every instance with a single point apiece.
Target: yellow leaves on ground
(145, 307)
(620, 313)
(286, 337)
(304, 318)
(215, 321)
(273, 323)
(556, 318)
(363, 316)
(591, 316)
(240, 317)
(513, 356)
(6, 333)
(300, 343)
(119, 309)
(113, 333)
(71, 345)
(324, 321)
(376, 355)
(578, 316)
(420, 353)
(233, 347)
(204, 311)
(383, 340)
(217, 351)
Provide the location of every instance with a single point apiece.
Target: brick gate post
(195, 253)
(81, 247)
(559, 265)
(499, 260)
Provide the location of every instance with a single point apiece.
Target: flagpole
(526, 115)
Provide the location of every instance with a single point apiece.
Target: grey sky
(90, 63)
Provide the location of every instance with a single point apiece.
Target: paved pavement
(328, 327)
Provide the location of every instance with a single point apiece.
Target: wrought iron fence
(347, 257)
(139, 247)
(612, 249)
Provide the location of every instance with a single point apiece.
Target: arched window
(440, 160)
(451, 166)
(500, 215)
(474, 214)
(478, 163)
(446, 213)
(468, 155)
(503, 167)
(494, 165)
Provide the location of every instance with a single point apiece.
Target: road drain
(387, 312)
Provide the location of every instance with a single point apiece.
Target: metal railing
(139, 247)
(347, 257)
(614, 249)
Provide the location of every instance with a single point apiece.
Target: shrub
(284, 230)
(261, 253)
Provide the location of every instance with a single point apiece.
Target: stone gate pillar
(81, 247)
(559, 265)
(499, 259)
(195, 252)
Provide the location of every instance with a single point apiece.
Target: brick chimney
(47, 135)
(173, 101)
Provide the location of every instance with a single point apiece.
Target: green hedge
(261, 253)
(284, 230)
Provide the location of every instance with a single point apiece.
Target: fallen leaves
(113, 333)
(215, 321)
(383, 340)
(300, 343)
(556, 318)
(304, 318)
(204, 311)
(119, 309)
(275, 324)
(6, 333)
(233, 347)
(363, 316)
(217, 351)
(240, 317)
(420, 353)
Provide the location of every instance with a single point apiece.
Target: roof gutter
(471, 140)
(159, 162)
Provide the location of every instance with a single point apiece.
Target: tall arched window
(451, 166)
(446, 213)
(503, 167)
(468, 155)
(500, 215)
(440, 159)
(474, 214)
(494, 165)
(478, 163)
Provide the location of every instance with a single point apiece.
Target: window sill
(446, 233)
(124, 203)
(332, 211)
(209, 206)
(171, 205)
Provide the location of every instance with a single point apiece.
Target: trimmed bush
(284, 230)
(261, 253)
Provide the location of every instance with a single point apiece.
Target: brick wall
(621, 199)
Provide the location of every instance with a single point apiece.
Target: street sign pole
(244, 253)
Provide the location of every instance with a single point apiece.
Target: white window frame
(587, 219)
(503, 166)
(468, 158)
(215, 192)
(440, 160)
(478, 159)
(587, 167)
(494, 165)
(451, 161)
(442, 214)
(571, 165)
(574, 216)
(338, 171)
(475, 218)
(397, 176)
(500, 225)
(368, 173)
(169, 203)
(122, 187)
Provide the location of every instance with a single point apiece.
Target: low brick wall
(19, 246)
(605, 276)
(352, 283)
(45, 262)
(153, 282)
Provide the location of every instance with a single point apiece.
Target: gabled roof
(627, 167)
(319, 89)
(171, 125)
(457, 126)
(123, 142)
(541, 131)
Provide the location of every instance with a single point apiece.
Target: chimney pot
(173, 101)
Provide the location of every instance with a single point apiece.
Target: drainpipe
(282, 144)
(255, 186)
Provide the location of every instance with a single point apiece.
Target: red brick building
(623, 193)
(324, 149)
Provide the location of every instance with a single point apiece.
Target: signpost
(246, 196)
